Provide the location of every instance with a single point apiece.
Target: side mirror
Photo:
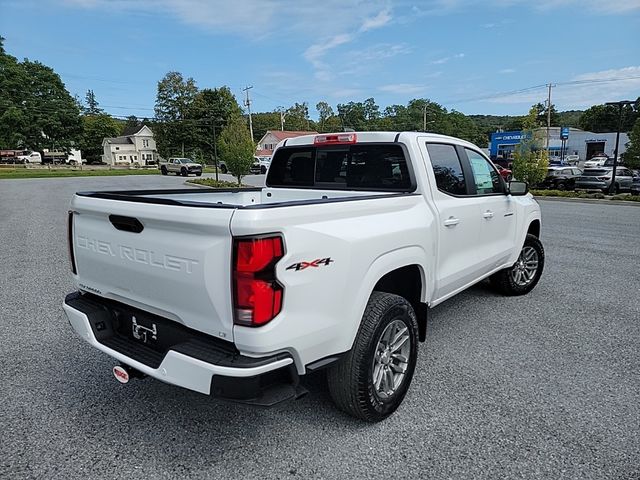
(518, 188)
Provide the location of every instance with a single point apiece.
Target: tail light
(72, 257)
(257, 295)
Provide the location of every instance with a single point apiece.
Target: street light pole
(620, 105)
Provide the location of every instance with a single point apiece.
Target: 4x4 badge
(315, 263)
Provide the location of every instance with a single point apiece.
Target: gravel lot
(542, 386)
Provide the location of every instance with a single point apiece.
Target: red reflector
(335, 139)
(257, 293)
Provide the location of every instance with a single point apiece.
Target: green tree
(236, 147)
(604, 118)
(297, 117)
(530, 160)
(324, 113)
(632, 154)
(91, 106)
(36, 110)
(265, 121)
(541, 115)
(95, 129)
(174, 99)
(210, 106)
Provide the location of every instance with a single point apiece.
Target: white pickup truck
(334, 264)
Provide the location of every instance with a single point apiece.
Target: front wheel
(223, 169)
(184, 172)
(372, 379)
(520, 278)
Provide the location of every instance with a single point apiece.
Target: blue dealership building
(578, 142)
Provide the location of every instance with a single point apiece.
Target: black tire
(163, 170)
(561, 186)
(504, 280)
(263, 169)
(223, 169)
(351, 382)
(183, 172)
(198, 174)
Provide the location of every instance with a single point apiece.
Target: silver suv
(600, 179)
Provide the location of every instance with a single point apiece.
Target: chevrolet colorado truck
(181, 166)
(334, 264)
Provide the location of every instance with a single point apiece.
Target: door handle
(488, 215)
(451, 222)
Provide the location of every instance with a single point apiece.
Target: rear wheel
(184, 172)
(163, 170)
(520, 278)
(372, 379)
(561, 186)
(198, 174)
(223, 168)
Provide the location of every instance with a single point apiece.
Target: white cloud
(585, 89)
(378, 21)
(442, 60)
(403, 88)
(507, 70)
(315, 53)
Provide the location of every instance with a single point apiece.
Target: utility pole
(424, 117)
(247, 104)
(550, 85)
(620, 105)
(283, 114)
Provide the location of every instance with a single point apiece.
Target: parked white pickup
(335, 263)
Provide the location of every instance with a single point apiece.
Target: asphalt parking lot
(541, 386)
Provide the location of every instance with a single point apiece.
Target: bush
(213, 183)
(569, 194)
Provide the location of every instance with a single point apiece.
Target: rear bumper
(597, 185)
(194, 361)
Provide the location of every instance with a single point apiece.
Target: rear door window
(447, 168)
(351, 167)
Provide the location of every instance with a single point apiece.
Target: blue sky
(465, 54)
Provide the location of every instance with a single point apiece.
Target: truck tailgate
(178, 266)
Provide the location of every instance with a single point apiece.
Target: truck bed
(239, 197)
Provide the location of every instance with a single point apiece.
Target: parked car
(181, 166)
(335, 264)
(259, 166)
(561, 178)
(600, 179)
(596, 161)
(572, 159)
(30, 157)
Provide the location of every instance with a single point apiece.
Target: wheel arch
(534, 228)
(385, 274)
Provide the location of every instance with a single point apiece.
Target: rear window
(348, 167)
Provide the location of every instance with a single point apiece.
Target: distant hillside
(491, 123)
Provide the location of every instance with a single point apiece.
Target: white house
(135, 145)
